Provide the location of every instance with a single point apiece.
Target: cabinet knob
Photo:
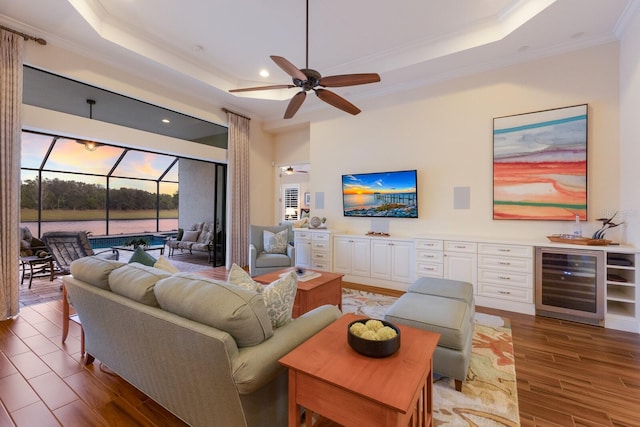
(504, 277)
(504, 263)
(504, 292)
(504, 250)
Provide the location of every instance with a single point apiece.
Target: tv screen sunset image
(383, 194)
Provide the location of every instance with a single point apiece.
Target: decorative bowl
(315, 222)
(373, 348)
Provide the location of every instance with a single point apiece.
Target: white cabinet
(313, 249)
(621, 292)
(461, 262)
(506, 272)
(391, 259)
(351, 255)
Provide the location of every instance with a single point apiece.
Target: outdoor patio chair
(66, 247)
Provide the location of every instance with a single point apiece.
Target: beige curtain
(11, 52)
(238, 247)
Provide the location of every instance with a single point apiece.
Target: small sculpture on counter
(607, 223)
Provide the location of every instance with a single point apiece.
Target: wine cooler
(570, 284)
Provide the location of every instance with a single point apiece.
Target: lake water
(99, 227)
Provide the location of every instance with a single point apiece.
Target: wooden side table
(67, 317)
(326, 289)
(327, 377)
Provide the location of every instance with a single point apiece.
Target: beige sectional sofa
(203, 349)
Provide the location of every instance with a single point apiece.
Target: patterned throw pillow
(278, 296)
(239, 277)
(275, 243)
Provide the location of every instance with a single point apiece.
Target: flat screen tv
(381, 194)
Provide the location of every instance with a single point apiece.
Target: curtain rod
(237, 114)
(25, 36)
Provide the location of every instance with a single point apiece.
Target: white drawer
(429, 256)
(524, 265)
(506, 278)
(303, 236)
(320, 256)
(501, 292)
(505, 250)
(435, 245)
(320, 237)
(455, 246)
(427, 269)
(320, 246)
(320, 265)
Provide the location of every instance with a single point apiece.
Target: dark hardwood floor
(568, 374)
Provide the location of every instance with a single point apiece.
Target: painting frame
(540, 165)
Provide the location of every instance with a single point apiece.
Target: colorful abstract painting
(540, 165)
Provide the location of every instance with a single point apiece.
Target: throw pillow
(275, 243)
(190, 236)
(239, 277)
(139, 255)
(279, 297)
(164, 264)
(180, 234)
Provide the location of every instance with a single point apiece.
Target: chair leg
(65, 315)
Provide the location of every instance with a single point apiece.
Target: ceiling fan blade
(248, 89)
(289, 68)
(294, 104)
(349, 80)
(337, 101)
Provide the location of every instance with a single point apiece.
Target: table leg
(31, 274)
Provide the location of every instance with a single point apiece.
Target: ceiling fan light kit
(308, 79)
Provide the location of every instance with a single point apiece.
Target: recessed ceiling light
(523, 49)
(264, 73)
(166, 121)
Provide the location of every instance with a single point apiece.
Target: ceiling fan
(308, 79)
(290, 171)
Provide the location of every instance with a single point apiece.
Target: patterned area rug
(489, 395)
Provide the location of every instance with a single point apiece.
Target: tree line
(76, 195)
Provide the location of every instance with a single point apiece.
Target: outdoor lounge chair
(66, 247)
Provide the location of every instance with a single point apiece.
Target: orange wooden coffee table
(327, 377)
(326, 289)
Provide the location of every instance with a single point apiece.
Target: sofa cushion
(279, 295)
(190, 236)
(143, 257)
(240, 312)
(275, 243)
(136, 281)
(94, 270)
(164, 264)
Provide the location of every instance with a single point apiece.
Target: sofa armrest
(291, 252)
(253, 255)
(257, 365)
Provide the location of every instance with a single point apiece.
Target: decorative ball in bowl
(373, 337)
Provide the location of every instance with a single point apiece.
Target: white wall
(630, 129)
(446, 134)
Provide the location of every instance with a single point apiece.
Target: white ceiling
(207, 47)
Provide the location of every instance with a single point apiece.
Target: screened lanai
(109, 191)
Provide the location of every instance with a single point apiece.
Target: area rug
(489, 395)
